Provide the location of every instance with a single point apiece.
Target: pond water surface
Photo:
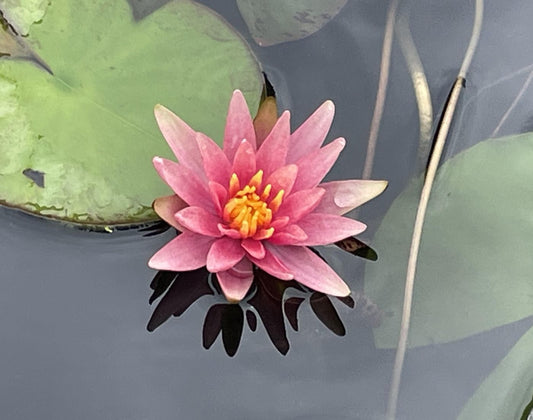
(74, 304)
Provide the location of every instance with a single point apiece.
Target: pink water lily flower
(256, 204)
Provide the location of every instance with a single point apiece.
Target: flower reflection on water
(266, 300)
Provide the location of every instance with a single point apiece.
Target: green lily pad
(507, 390)
(475, 264)
(276, 21)
(21, 14)
(87, 132)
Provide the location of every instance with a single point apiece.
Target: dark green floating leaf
(89, 128)
(475, 264)
(274, 21)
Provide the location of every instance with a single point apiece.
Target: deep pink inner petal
(224, 254)
(219, 195)
(166, 207)
(181, 139)
(290, 235)
(283, 179)
(199, 220)
(272, 265)
(310, 270)
(188, 251)
(323, 229)
(314, 167)
(232, 233)
(184, 182)
(244, 162)
(239, 125)
(273, 152)
(236, 281)
(311, 134)
(254, 248)
(216, 165)
(300, 203)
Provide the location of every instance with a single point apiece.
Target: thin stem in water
(382, 89)
(421, 212)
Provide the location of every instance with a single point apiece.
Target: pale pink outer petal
(311, 134)
(290, 235)
(282, 179)
(180, 137)
(239, 125)
(224, 254)
(244, 163)
(236, 281)
(272, 265)
(166, 207)
(343, 196)
(273, 152)
(324, 229)
(254, 248)
(188, 251)
(313, 168)
(199, 220)
(310, 270)
(216, 165)
(300, 203)
(184, 182)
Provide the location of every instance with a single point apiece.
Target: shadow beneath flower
(267, 300)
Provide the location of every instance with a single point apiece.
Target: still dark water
(74, 305)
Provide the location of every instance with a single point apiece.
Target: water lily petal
(323, 229)
(343, 196)
(314, 167)
(180, 137)
(219, 195)
(166, 207)
(216, 165)
(184, 182)
(272, 265)
(290, 235)
(311, 134)
(280, 222)
(310, 270)
(283, 179)
(254, 248)
(239, 125)
(224, 254)
(244, 162)
(236, 281)
(199, 220)
(232, 233)
(273, 152)
(300, 203)
(188, 251)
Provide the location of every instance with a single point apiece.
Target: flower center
(249, 209)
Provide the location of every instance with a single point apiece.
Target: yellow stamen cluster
(248, 209)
